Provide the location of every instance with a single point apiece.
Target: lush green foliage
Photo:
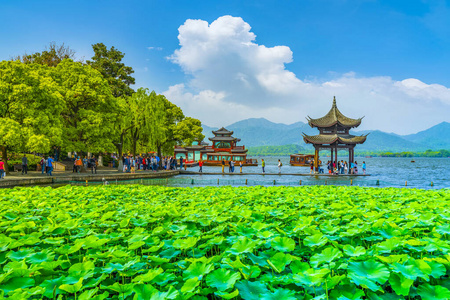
(30, 105)
(109, 63)
(48, 100)
(140, 242)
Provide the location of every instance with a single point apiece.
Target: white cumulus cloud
(231, 77)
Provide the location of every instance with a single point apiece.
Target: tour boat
(301, 160)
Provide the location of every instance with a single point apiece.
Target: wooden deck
(35, 178)
(272, 174)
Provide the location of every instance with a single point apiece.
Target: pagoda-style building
(334, 134)
(224, 147)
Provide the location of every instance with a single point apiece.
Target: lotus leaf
(283, 244)
(243, 246)
(400, 284)
(316, 240)
(197, 269)
(279, 261)
(190, 285)
(149, 276)
(430, 292)
(225, 295)
(155, 242)
(326, 256)
(251, 290)
(354, 251)
(222, 279)
(72, 288)
(368, 273)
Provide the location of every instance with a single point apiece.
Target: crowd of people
(230, 164)
(46, 165)
(342, 167)
(150, 163)
(155, 163)
(88, 163)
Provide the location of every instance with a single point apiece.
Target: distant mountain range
(261, 132)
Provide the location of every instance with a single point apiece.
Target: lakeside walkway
(182, 172)
(36, 178)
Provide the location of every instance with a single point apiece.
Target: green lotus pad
(149, 242)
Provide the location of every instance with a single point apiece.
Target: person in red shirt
(200, 164)
(2, 169)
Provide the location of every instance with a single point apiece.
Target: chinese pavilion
(223, 148)
(334, 134)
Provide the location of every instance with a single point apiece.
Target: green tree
(109, 64)
(179, 129)
(90, 110)
(148, 119)
(51, 56)
(30, 107)
(157, 124)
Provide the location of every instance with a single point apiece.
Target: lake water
(384, 171)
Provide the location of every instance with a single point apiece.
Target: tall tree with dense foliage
(178, 129)
(30, 107)
(148, 119)
(109, 63)
(89, 108)
(51, 56)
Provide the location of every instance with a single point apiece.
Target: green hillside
(255, 133)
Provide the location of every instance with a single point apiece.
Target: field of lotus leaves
(141, 242)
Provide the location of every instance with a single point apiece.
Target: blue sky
(282, 60)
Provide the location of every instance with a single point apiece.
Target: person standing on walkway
(181, 162)
(42, 163)
(93, 162)
(240, 167)
(223, 165)
(200, 165)
(311, 166)
(355, 168)
(50, 166)
(2, 169)
(229, 166)
(74, 167)
(364, 167)
(232, 166)
(78, 164)
(24, 164)
(345, 168)
(263, 165)
(279, 166)
(352, 166)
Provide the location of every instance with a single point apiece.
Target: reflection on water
(384, 171)
(387, 171)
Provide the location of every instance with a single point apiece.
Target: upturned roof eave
(311, 123)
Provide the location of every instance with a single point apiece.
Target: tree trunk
(5, 159)
(135, 138)
(120, 153)
(159, 155)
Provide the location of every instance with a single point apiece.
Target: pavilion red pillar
(336, 158)
(332, 158)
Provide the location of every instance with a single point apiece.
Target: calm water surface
(387, 171)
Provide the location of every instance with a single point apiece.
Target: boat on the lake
(301, 160)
